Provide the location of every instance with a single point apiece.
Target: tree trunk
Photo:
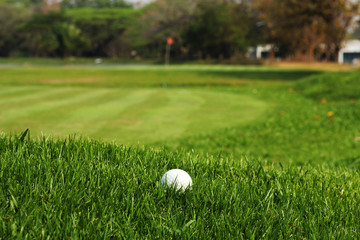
(272, 53)
(311, 53)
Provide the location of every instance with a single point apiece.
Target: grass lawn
(128, 105)
(127, 116)
(148, 76)
(274, 153)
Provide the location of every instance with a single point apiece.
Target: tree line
(201, 29)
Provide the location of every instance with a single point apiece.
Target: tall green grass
(86, 189)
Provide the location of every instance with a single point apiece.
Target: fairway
(127, 116)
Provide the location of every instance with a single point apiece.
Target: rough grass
(86, 189)
(332, 86)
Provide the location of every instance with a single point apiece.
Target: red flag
(170, 41)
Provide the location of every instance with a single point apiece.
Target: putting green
(127, 116)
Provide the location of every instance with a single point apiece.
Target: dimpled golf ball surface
(177, 178)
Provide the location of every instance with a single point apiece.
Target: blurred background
(211, 31)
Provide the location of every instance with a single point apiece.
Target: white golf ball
(177, 178)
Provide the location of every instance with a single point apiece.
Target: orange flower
(323, 100)
(330, 113)
(352, 101)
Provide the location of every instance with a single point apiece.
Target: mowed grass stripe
(177, 111)
(92, 117)
(9, 93)
(174, 113)
(35, 96)
(224, 110)
(129, 116)
(24, 114)
(165, 114)
(71, 114)
(59, 119)
(123, 124)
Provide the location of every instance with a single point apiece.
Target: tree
(213, 28)
(301, 26)
(11, 18)
(220, 29)
(52, 34)
(338, 18)
(95, 4)
(158, 21)
(104, 28)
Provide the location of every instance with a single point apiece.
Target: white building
(139, 3)
(260, 51)
(350, 51)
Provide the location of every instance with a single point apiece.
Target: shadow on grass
(279, 75)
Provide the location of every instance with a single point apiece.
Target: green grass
(123, 115)
(148, 76)
(331, 86)
(269, 158)
(71, 61)
(126, 105)
(84, 189)
(296, 130)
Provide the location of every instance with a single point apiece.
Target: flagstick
(167, 54)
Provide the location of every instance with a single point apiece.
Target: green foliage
(71, 38)
(90, 14)
(11, 19)
(201, 29)
(51, 34)
(219, 29)
(158, 21)
(95, 4)
(76, 32)
(104, 29)
(21, 3)
(66, 4)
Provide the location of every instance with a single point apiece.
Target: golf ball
(176, 178)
